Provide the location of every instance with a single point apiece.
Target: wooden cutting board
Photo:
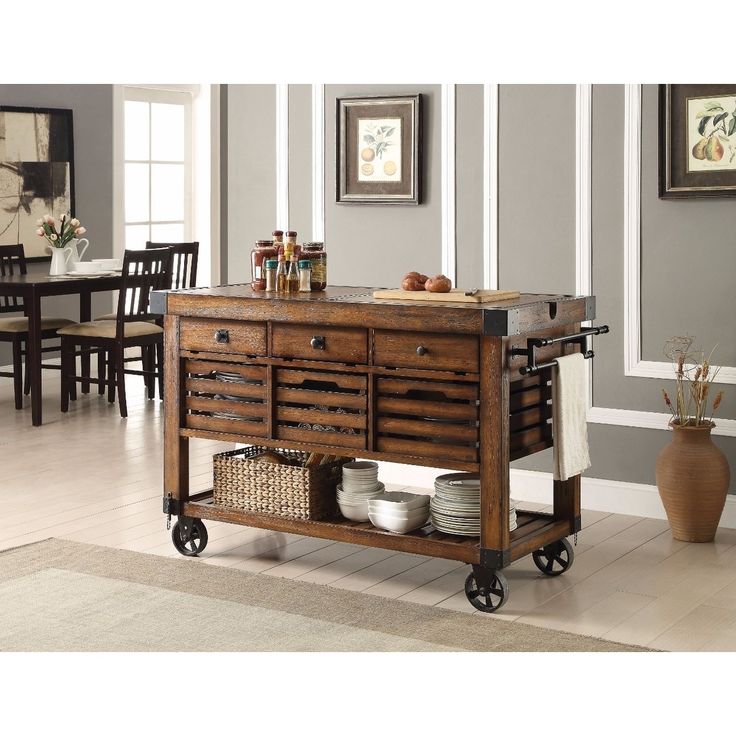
(456, 295)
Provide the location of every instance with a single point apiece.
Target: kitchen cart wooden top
(355, 305)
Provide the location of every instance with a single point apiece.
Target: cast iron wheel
(490, 597)
(555, 558)
(196, 542)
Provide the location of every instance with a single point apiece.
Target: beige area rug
(66, 596)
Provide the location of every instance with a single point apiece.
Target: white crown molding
(447, 134)
(282, 156)
(490, 186)
(318, 162)
(633, 363)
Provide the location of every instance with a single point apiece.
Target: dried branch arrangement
(694, 375)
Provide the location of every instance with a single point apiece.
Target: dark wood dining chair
(143, 272)
(182, 275)
(14, 330)
(184, 258)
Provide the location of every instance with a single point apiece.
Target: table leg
(33, 310)
(85, 315)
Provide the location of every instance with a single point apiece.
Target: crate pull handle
(318, 342)
(222, 336)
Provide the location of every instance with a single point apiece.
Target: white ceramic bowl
(394, 524)
(400, 500)
(108, 264)
(361, 466)
(398, 513)
(361, 493)
(87, 267)
(354, 511)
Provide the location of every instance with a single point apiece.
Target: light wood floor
(91, 476)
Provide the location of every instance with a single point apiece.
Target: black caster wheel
(487, 591)
(197, 533)
(555, 558)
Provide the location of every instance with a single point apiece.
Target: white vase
(59, 260)
(78, 246)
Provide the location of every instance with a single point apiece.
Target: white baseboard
(597, 494)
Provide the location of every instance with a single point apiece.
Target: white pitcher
(59, 259)
(78, 246)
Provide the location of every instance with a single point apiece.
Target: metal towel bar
(581, 338)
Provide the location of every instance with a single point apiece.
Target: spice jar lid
(271, 263)
(264, 243)
(305, 264)
(278, 232)
(313, 245)
(291, 233)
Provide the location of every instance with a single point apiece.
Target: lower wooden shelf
(534, 530)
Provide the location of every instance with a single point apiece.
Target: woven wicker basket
(283, 490)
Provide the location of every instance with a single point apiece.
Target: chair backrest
(143, 272)
(184, 256)
(12, 261)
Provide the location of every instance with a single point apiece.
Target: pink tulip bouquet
(69, 228)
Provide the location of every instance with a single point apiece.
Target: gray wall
(92, 106)
(686, 242)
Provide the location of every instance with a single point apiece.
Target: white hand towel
(569, 424)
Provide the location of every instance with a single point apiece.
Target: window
(158, 166)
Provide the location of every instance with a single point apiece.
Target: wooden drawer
(429, 350)
(316, 342)
(322, 408)
(225, 397)
(434, 419)
(223, 336)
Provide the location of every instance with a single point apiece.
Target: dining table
(32, 288)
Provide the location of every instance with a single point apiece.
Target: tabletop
(348, 304)
(45, 284)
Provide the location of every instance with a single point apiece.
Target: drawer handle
(318, 342)
(421, 350)
(222, 336)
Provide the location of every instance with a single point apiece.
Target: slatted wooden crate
(217, 405)
(437, 419)
(321, 407)
(530, 423)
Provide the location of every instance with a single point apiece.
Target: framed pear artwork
(697, 140)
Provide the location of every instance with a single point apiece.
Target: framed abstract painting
(36, 173)
(697, 140)
(379, 150)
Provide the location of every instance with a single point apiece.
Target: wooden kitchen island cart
(459, 386)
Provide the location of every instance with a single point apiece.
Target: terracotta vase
(693, 478)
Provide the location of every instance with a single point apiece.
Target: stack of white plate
(227, 377)
(455, 507)
(359, 484)
(399, 511)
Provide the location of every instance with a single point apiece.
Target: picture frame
(379, 150)
(697, 140)
(36, 173)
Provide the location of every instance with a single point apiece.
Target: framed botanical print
(379, 149)
(697, 140)
(36, 173)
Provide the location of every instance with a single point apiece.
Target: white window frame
(203, 148)
(169, 97)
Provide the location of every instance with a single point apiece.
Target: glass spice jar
(290, 243)
(270, 267)
(315, 252)
(262, 250)
(305, 275)
(278, 240)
